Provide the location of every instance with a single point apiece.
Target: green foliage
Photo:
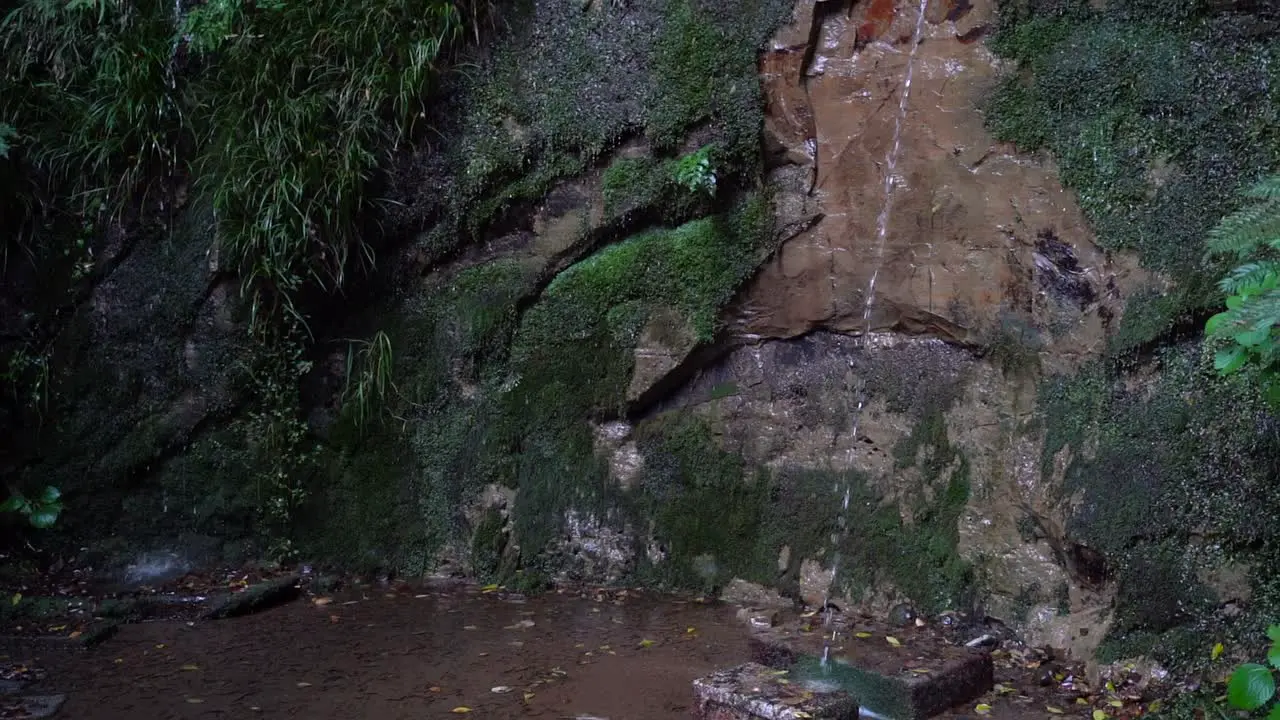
(278, 438)
(284, 112)
(1249, 326)
(695, 173)
(91, 85)
(368, 379)
(1251, 686)
(42, 512)
(26, 377)
(679, 187)
(295, 106)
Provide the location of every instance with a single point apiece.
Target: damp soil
(404, 654)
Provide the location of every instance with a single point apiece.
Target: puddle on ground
(407, 655)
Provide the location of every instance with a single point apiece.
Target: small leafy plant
(41, 511)
(696, 173)
(1248, 328)
(1253, 685)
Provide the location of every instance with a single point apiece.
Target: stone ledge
(756, 692)
(919, 677)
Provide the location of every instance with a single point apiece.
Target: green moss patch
(1175, 457)
(1157, 114)
(565, 86)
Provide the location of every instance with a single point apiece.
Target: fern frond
(1245, 230)
(1250, 276)
(1266, 189)
(1260, 309)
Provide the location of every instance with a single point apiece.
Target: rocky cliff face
(891, 344)
(885, 359)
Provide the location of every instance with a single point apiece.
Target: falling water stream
(882, 231)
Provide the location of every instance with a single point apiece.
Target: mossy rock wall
(141, 376)
(566, 150)
(1159, 114)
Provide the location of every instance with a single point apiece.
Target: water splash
(877, 261)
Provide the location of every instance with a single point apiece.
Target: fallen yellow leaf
(434, 688)
(322, 601)
(17, 598)
(982, 709)
(160, 646)
(1081, 701)
(57, 628)
(304, 684)
(461, 709)
(1154, 706)
(862, 634)
(528, 696)
(190, 666)
(489, 589)
(647, 643)
(1217, 651)
(1054, 710)
(1115, 703)
(893, 641)
(1100, 715)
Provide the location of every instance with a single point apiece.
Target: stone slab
(916, 678)
(755, 692)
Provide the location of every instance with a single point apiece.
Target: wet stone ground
(276, 644)
(387, 653)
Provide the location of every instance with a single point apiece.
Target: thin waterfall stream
(877, 260)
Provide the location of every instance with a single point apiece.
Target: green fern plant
(1248, 329)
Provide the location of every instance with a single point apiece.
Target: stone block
(917, 675)
(756, 692)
